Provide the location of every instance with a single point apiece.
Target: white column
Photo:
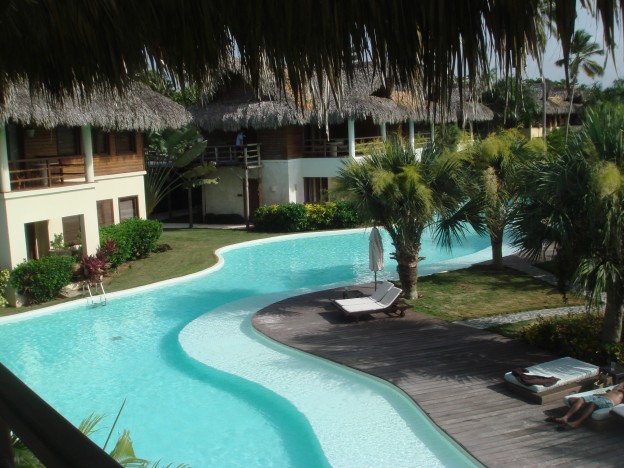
(382, 128)
(351, 132)
(412, 142)
(87, 145)
(5, 176)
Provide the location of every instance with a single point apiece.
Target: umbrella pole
(375, 280)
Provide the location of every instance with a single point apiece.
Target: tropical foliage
(167, 153)
(582, 51)
(575, 205)
(294, 217)
(4, 281)
(42, 279)
(494, 180)
(395, 189)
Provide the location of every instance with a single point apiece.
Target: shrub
(42, 279)
(294, 217)
(133, 238)
(345, 216)
(290, 217)
(4, 281)
(576, 335)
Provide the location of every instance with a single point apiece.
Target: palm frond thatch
(137, 108)
(76, 46)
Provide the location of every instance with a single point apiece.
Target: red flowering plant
(96, 266)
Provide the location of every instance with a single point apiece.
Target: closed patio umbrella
(375, 252)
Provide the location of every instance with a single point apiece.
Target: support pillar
(412, 141)
(5, 175)
(87, 145)
(351, 135)
(382, 128)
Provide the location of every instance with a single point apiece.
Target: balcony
(338, 147)
(37, 173)
(246, 156)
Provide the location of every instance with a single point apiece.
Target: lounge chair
(618, 411)
(573, 375)
(368, 305)
(379, 293)
(599, 414)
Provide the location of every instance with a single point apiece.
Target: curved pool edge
(271, 341)
(197, 340)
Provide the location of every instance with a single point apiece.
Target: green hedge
(293, 217)
(42, 279)
(575, 335)
(4, 282)
(134, 238)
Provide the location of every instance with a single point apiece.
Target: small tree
(167, 153)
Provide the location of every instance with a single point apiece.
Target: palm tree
(579, 194)
(494, 181)
(581, 52)
(394, 190)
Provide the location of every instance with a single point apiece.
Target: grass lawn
(192, 250)
(480, 291)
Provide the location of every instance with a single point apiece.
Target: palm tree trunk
(614, 313)
(408, 276)
(496, 241)
(543, 103)
(570, 112)
(190, 206)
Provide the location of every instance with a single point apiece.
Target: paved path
(518, 263)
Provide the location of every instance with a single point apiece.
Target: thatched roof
(367, 95)
(59, 45)
(258, 115)
(139, 108)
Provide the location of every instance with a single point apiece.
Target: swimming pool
(256, 404)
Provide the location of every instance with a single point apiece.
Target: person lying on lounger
(588, 404)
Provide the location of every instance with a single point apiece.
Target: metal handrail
(51, 438)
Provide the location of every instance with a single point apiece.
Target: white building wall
(21, 207)
(275, 185)
(226, 197)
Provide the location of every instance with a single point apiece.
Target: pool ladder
(97, 295)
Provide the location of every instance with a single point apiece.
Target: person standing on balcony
(240, 142)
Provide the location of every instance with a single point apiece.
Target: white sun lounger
(368, 305)
(379, 293)
(599, 414)
(573, 375)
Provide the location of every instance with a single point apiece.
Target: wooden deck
(454, 374)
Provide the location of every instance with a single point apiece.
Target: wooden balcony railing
(52, 439)
(45, 172)
(337, 148)
(246, 155)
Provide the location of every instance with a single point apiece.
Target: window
(71, 230)
(105, 212)
(100, 141)
(67, 141)
(315, 189)
(125, 142)
(128, 208)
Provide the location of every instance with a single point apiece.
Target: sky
(553, 53)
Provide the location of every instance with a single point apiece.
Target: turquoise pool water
(203, 388)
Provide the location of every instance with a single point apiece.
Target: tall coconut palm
(582, 51)
(579, 195)
(404, 195)
(493, 172)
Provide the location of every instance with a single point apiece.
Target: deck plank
(454, 373)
